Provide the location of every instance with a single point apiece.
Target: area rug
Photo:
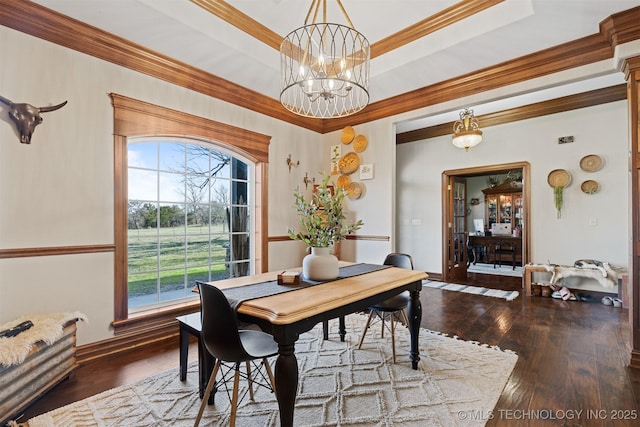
(500, 270)
(339, 385)
(476, 290)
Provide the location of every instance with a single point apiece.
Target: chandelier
(466, 131)
(324, 67)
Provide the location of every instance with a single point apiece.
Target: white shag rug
(476, 290)
(339, 385)
(47, 327)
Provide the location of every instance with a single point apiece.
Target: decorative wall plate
(360, 143)
(591, 163)
(349, 163)
(347, 135)
(559, 178)
(343, 181)
(354, 190)
(590, 187)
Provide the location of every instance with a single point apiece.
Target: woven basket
(559, 178)
(591, 163)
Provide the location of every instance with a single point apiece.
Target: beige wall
(58, 191)
(598, 130)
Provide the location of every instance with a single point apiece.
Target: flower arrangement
(322, 219)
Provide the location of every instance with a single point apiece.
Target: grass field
(177, 256)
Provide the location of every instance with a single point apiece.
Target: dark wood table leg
(341, 329)
(184, 351)
(286, 382)
(414, 311)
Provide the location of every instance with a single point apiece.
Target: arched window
(188, 218)
(146, 132)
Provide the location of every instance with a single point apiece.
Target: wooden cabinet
(503, 204)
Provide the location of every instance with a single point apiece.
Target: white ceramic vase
(320, 264)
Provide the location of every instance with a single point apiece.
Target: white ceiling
(513, 28)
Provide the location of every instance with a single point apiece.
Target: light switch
(593, 220)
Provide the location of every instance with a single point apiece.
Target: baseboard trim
(634, 362)
(139, 338)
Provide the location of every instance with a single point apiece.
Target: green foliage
(558, 199)
(322, 219)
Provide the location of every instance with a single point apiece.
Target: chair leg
(207, 392)
(249, 379)
(234, 399)
(267, 368)
(364, 332)
(405, 317)
(393, 337)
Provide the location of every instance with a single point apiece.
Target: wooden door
(457, 228)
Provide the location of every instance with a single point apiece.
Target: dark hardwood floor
(571, 371)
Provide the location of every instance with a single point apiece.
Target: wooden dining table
(287, 315)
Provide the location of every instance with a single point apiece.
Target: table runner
(238, 295)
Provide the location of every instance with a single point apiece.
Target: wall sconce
(292, 163)
(307, 181)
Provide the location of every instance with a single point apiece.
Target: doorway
(456, 206)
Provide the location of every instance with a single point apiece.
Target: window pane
(143, 185)
(171, 220)
(239, 218)
(143, 155)
(196, 274)
(172, 187)
(172, 252)
(142, 217)
(198, 159)
(172, 285)
(143, 253)
(172, 157)
(239, 247)
(220, 248)
(220, 191)
(143, 289)
(239, 269)
(198, 250)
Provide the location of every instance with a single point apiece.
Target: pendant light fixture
(466, 131)
(324, 67)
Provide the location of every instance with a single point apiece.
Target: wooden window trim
(134, 118)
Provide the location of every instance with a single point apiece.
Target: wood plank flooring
(573, 357)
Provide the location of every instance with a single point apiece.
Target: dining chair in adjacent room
(392, 306)
(504, 248)
(232, 347)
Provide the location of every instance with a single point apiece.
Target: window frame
(134, 118)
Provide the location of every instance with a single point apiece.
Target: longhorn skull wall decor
(27, 117)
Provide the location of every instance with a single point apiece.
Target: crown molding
(543, 108)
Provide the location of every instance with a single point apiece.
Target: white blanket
(47, 327)
(607, 279)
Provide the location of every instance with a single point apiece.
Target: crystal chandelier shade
(324, 71)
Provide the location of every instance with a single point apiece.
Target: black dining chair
(504, 248)
(389, 307)
(231, 346)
